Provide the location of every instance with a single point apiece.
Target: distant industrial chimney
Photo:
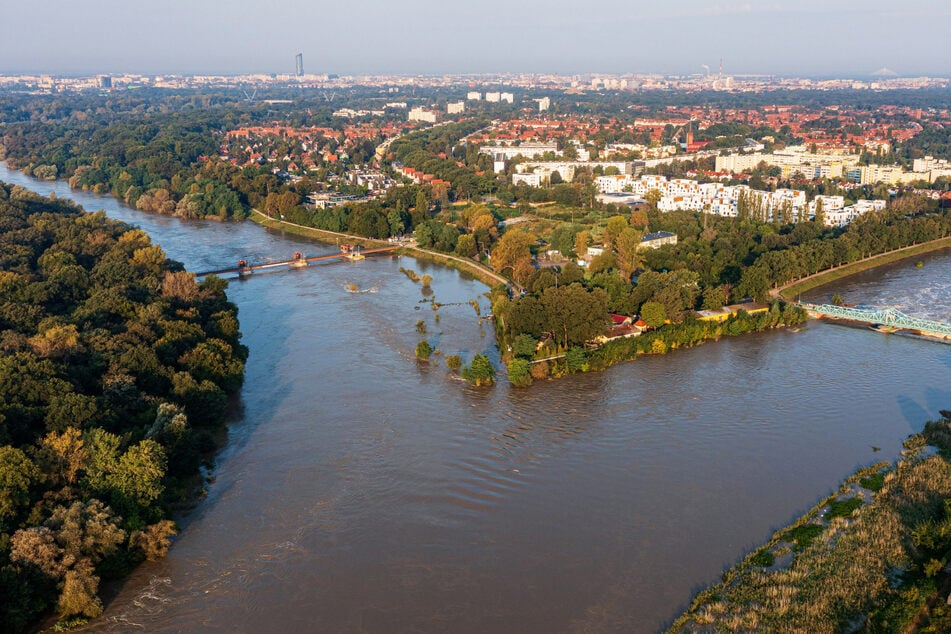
(300, 64)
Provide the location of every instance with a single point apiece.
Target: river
(360, 491)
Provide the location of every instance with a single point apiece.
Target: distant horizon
(854, 74)
(801, 38)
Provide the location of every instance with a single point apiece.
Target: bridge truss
(884, 316)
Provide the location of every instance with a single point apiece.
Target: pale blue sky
(801, 37)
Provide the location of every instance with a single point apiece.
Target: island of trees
(115, 375)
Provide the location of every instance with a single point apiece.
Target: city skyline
(805, 38)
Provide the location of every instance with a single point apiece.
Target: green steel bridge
(885, 316)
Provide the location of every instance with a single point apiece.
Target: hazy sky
(801, 37)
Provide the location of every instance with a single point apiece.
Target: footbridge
(245, 268)
(888, 317)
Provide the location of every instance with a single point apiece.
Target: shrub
(519, 374)
(423, 350)
(539, 370)
(454, 362)
(480, 371)
(843, 508)
(654, 314)
(803, 535)
(576, 360)
(763, 558)
(873, 482)
(524, 345)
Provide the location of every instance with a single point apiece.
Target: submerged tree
(480, 371)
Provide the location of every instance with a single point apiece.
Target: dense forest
(156, 150)
(130, 155)
(115, 374)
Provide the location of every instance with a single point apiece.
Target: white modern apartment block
(829, 203)
(421, 114)
(929, 163)
(570, 167)
(773, 201)
(507, 97)
(493, 97)
(614, 184)
(791, 159)
(795, 161)
(738, 162)
(533, 180)
(716, 198)
(528, 150)
(682, 187)
(891, 175)
(721, 206)
(583, 154)
(935, 167)
(544, 104)
(680, 203)
(474, 96)
(456, 108)
(845, 215)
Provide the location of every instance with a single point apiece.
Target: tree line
(115, 374)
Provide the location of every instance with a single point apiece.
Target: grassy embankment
(310, 232)
(871, 557)
(469, 267)
(791, 291)
(482, 274)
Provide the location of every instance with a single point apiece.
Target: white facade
(891, 175)
(544, 104)
(622, 198)
(613, 184)
(507, 97)
(738, 162)
(474, 96)
(793, 159)
(829, 203)
(930, 163)
(723, 207)
(493, 97)
(528, 150)
(421, 114)
(681, 202)
(845, 215)
(533, 180)
(570, 167)
(456, 108)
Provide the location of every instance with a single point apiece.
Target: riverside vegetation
(115, 373)
(873, 557)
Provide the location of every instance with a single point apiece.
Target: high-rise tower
(300, 64)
